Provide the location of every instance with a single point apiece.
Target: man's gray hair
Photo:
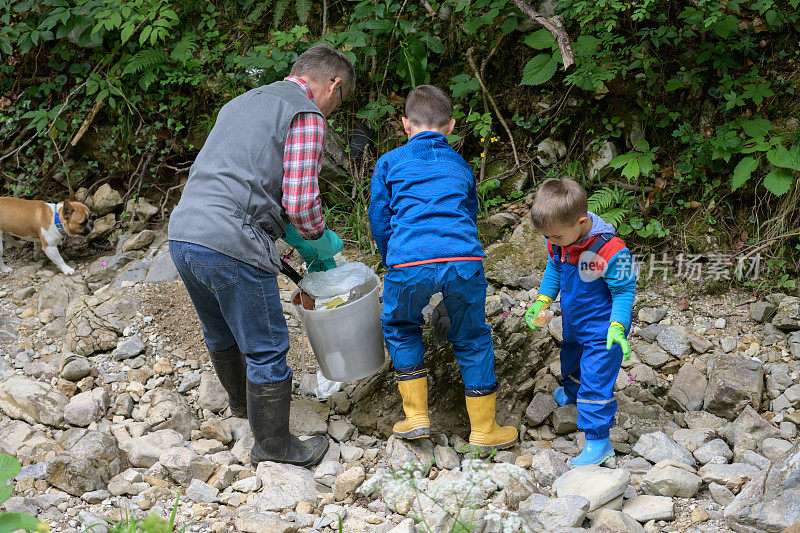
(324, 62)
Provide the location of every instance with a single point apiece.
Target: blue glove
(314, 261)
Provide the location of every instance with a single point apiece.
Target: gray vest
(232, 201)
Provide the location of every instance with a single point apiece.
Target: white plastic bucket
(347, 340)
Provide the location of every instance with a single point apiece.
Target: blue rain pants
(407, 290)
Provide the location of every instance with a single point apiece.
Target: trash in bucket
(340, 311)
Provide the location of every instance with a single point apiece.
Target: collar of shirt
(303, 85)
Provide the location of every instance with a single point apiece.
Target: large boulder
(32, 401)
(95, 322)
(57, 293)
(788, 315)
(103, 269)
(284, 486)
(597, 484)
(106, 199)
(87, 407)
(514, 263)
(687, 390)
(26, 443)
(733, 383)
(771, 500)
(89, 461)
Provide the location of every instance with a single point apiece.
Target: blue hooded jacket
(424, 205)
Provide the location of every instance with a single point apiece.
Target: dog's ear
(72, 197)
(67, 210)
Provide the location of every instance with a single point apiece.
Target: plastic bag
(325, 387)
(337, 281)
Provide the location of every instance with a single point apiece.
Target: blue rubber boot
(561, 397)
(596, 452)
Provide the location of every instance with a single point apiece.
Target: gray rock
(728, 344)
(106, 200)
(402, 454)
(733, 383)
(200, 492)
(211, 394)
(762, 311)
(139, 241)
(748, 430)
(597, 484)
(565, 419)
(341, 430)
(687, 390)
(250, 520)
(773, 449)
(347, 483)
(651, 355)
(549, 465)
(184, 465)
(25, 442)
(95, 322)
(787, 316)
(103, 269)
(788, 430)
(350, 453)
(87, 407)
(749, 457)
(610, 521)
(92, 522)
(284, 486)
(547, 514)
(651, 332)
(130, 347)
(144, 451)
(658, 446)
(327, 471)
(57, 293)
(721, 494)
(23, 293)
(675, 340)
(166, 409)
(722, 474)
(511, 263)
(217, 429)
(645, 508)
(95, 496)
(713, 451)
(161, 267)
(542, 405)
(446, 457)
(248, 484)
(670, 478)
(652, 315)
(305, 417)
(76, 368)
(32, 401)
(700, 344)
(600, 159)
(88, 463)
(771, 500)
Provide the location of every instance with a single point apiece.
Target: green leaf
(757, 128)
(9, 466)
(127, 31)
(509, 25)
(782, 157)
(622, 160)
(15, 520)
(743, 171)
(539, 70)
(778, 182)
(145, 34)
(540, 40)
(5, 492)
(631, 170)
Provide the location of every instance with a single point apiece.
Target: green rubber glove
(533, 310)
(616, 335)
(327, 246)
(306, 251)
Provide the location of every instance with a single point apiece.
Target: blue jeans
(238, 304)
(407, 290)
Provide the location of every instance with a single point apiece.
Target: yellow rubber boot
(486, 435)
(415, 404)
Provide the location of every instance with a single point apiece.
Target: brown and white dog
(44, 224)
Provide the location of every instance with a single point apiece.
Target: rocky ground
(109, 401)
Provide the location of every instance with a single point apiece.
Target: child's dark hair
(558, 202)
(427, 105)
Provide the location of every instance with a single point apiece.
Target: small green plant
(13, 520)
(151, 524)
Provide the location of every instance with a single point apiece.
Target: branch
(87, 122)
(486, 92)
(555, 26)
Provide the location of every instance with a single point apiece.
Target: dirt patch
(174, 316)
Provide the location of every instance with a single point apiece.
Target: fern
(303, 9)
(601, 200)
(615, 216)
(258, 12)
(185, 49)
(280, 9)
(144, 60)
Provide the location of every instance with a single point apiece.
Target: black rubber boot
(231, 371)
(268, 406)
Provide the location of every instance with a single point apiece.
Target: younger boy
(423, 216)
(595, 274)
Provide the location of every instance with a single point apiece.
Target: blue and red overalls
(597, 280)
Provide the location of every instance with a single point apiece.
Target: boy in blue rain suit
(596, 276)
(423, 216)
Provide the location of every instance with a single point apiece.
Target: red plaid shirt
(302, 161)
